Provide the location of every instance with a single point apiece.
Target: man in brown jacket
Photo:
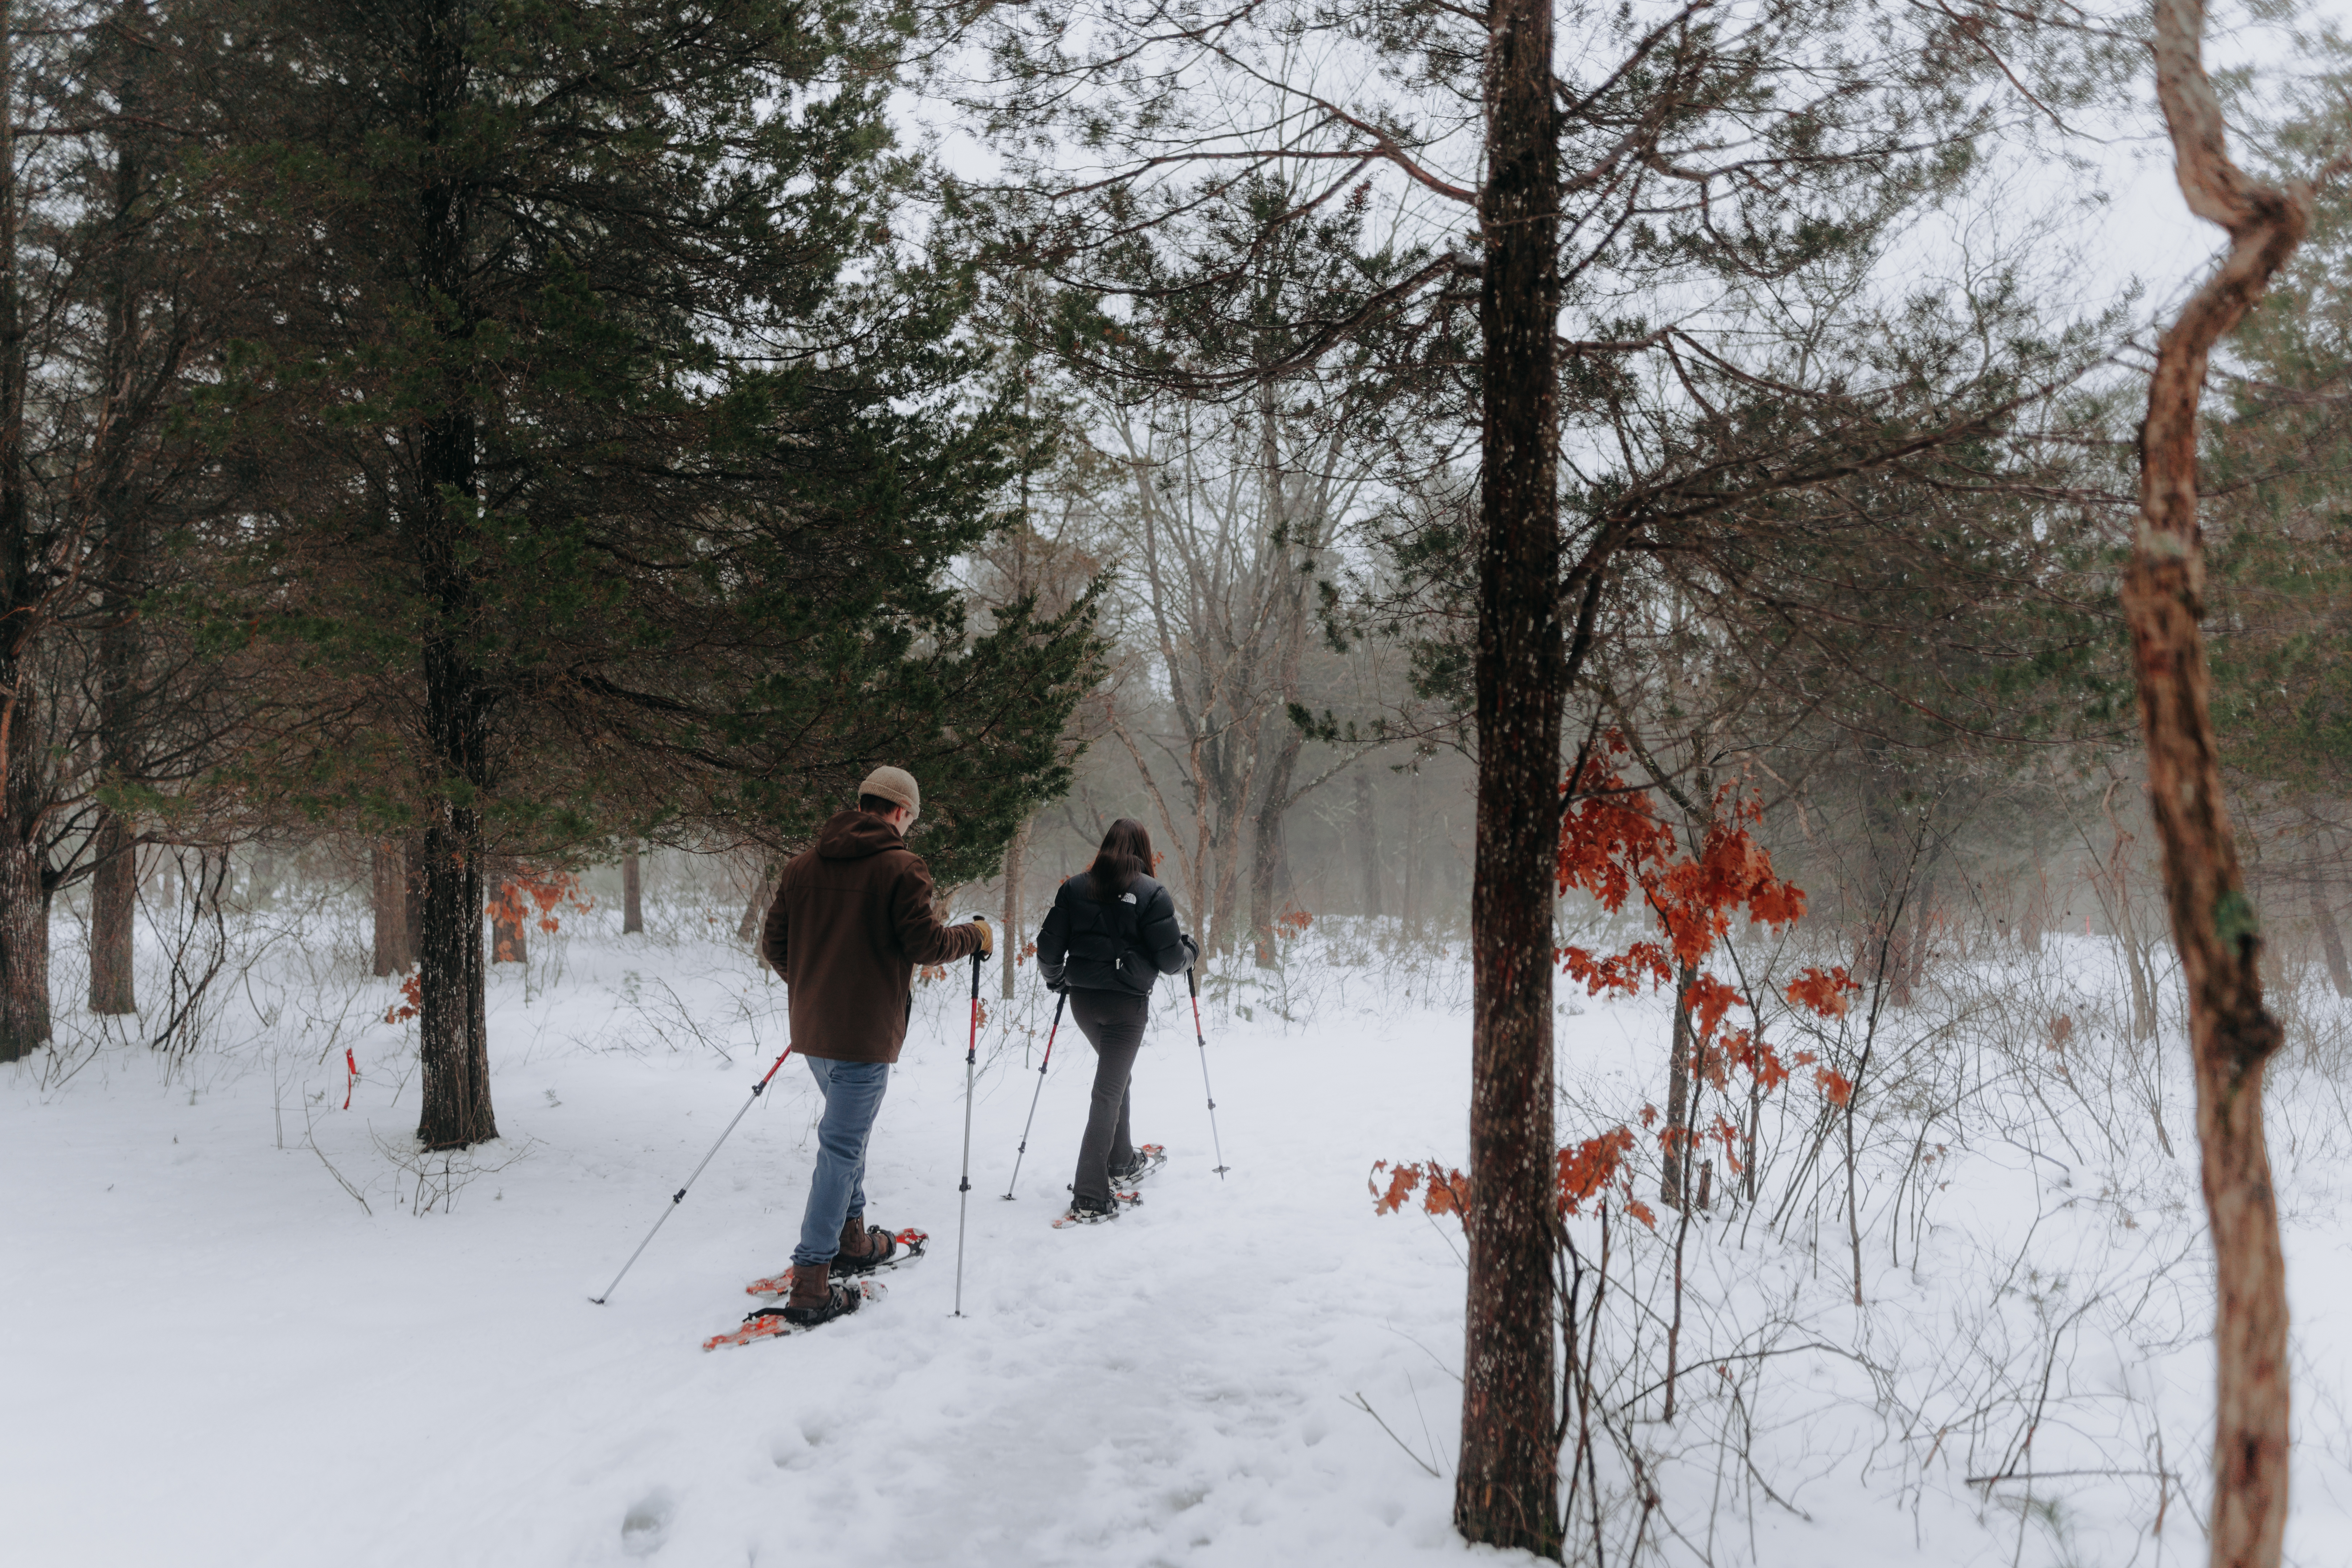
(852, 919)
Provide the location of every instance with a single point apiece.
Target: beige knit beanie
(898, 784)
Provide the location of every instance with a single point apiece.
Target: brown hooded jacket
(851, 919)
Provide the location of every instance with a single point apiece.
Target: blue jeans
(853, 1094)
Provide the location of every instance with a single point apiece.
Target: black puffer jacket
(1123, 945)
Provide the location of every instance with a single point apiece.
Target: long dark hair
(1126, 853)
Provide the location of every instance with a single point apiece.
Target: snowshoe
(1084, 1212)
(774, 1322)
(909, 1246)
(879, 1249)
(1148, 1157)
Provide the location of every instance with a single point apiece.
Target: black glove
(1191, 952)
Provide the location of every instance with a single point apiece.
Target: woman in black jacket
(1110, 935)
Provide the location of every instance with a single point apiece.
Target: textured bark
(24, 950)
(24, 901)
(388, 882)
(1507, 1491)
(1680, 1093)
(113, 904)
(452, 1032)
(123, 550)
(633, 893)
(453, 1035)
(2231, 1034)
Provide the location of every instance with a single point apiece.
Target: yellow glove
(987, 937)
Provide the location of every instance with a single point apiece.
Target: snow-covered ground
(231, 1340)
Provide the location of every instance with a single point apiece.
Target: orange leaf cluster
(1448, 1191)
(529, 895)
(1827, 992)
(412, 991)
(1293, 922)
(1612, 845)
(1588, 1167)
(1588, 1171)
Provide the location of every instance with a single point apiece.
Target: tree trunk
(2231, 1034)
(1411, 911)
(24, 950)
(453, 1035)
(633, 898)
(1507, 1491)
(1008, 940)
(1368, 842)
(114, 881)
(113, 907)
(1894, 960)
(388, 886)
(24, 901)
(1266, 877)
(1681, 1091)
(755, 908)
(1922, 930)
(2331, 938)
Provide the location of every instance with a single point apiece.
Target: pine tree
(606, 450)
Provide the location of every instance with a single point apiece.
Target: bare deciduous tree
(2231, 1033)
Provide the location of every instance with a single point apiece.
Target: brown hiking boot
(815, 1299)
(864, 1248)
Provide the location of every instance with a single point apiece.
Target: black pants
(1113, 1023)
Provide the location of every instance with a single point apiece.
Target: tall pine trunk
(1506, 1492)
(114, 906)
(114, 881)
(2231, 1034)
(1368, 842)
(388, 887)
(632, 895)
(453, 1041)
(453, 1035)
(23, 900)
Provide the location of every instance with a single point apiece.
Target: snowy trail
(216, 1357)
(253, 1371)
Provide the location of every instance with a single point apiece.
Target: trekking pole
(1058, 1000)
(963, 1187)
(1193, 985)
(678, 1196)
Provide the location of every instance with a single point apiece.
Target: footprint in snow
(646, 1524)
